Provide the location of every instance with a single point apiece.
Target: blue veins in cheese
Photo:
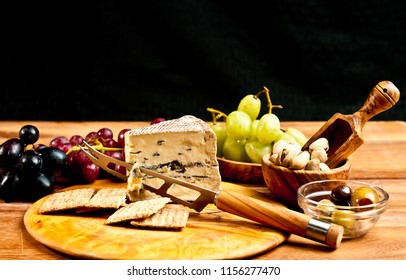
(184, 148)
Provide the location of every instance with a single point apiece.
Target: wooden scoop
(344, 132)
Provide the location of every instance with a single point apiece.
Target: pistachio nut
(324, 166)
(300, 161)
(319, 153)
(281, 159)
(313, 164)
(274, 159)
(319, 143)
(278, 146)
(288, 153)
(296, 145)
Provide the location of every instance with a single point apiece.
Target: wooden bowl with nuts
(288, 167)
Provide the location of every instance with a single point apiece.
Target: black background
(133, 60)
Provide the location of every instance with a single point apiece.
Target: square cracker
(137, 210)
(67, 200)
(172, 216)
(108, 198)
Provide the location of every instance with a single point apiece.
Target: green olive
(344, 218)
(326, 206)
(364, 196)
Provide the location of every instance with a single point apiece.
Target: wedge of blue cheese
(184, 148)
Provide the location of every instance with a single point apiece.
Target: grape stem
(216, 114)
(268, 98)
(99, 147)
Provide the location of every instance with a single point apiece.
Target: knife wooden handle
(279, 217)
(381, 98)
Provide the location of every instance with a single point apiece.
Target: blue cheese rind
(183, 148)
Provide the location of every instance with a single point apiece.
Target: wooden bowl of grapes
(249, 168)
(244, 172)
(283, 182)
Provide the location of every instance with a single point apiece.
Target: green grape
(254, 126)
(268, 128)
(298, 135)
(256, 150)
(238, 125)
(221, 134)
(285, 136)
(235, 150)
(251, 105)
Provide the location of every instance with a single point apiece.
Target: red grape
(90, 172)
(58, 141)
(120, 169)
(81, 159)
(114, 154)
(91, 136)
(76, 140)
(157, 120)
(66, 147)
(71, 162)
(121, 137)
(105, 133)
(110, 143)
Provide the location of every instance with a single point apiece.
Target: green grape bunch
(245, 135)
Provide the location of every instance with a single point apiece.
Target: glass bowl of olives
(355, 205)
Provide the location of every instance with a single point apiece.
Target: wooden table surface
(381, 160)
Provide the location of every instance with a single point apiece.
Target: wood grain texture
(244, 172)
(274, 216)
(380, 160)
(211, 234)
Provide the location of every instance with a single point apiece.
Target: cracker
(143, 195)
(108, 198)
(67, 200)
(137, 210)
(172, 216)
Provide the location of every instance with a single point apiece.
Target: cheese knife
(266, 213)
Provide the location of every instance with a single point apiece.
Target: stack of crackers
(150, 211)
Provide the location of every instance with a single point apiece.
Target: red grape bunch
(79, 168)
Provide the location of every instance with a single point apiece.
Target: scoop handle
(279, 217)
(381, 98)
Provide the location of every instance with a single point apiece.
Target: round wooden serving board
(210, 234)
